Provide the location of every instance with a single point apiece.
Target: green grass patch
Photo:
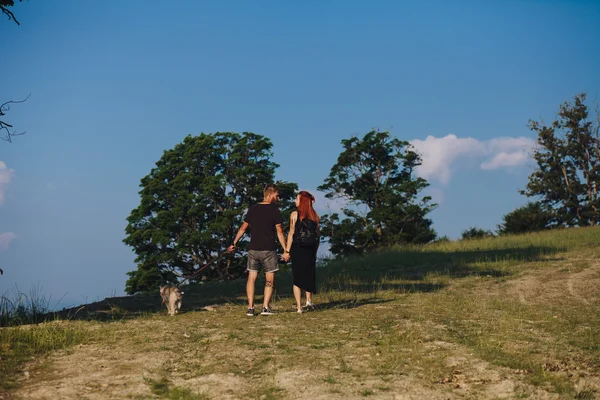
(165, 390)
(19, 345)
(507, 308)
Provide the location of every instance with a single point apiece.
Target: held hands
(285, 257)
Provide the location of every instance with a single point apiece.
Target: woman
(302, 244)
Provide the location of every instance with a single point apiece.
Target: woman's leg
(298, 296)
(313, 271)
(308, 299)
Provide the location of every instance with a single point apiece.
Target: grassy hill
(509, 317)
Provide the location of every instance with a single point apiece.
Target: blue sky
(114, 84)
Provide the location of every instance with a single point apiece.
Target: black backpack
(306, 233)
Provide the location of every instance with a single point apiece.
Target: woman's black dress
(304, 264)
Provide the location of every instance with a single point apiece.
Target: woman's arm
(318, 229)
(290, 239)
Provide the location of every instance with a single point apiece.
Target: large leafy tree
(567, 176)
(192, 203)
(375, 176)
(529, 218)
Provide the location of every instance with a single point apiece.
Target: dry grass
(509, 317)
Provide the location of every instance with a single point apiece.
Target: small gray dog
(171, 296)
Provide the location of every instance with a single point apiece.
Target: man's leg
(250, 287)
(269, 285)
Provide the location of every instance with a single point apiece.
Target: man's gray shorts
(267, 258)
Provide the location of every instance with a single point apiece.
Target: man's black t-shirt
(262, 219)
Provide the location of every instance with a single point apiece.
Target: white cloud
(5, 239)
(439, 153)
(442, 155)
(504, 159)
(508, 152)
(6, 175)
(509, 143)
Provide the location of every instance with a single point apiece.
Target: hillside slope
(510, 317)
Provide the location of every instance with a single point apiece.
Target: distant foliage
(192, 203)
(375, 175)
(18, 308)
(442, 239)
(530, 218)
(475, 233)
(568, 166)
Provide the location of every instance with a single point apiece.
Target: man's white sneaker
(267, 311)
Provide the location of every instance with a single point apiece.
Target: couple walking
(265, 222)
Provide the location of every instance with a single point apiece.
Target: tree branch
(9, 14)
(4, 108)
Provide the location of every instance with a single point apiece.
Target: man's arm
(280, 235)
(239, 235)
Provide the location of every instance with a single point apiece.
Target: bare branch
(4, 126)
(9, 135)
(6, 106)
(9, 14)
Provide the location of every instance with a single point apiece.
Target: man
(264, 219)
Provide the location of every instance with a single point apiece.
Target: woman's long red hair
(305, 208)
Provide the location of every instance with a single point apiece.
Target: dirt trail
(580, 285)
(114, 372)
(198, 351)
(542, 283)
(90, 372)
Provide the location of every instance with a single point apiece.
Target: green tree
(529, 218)
(375, 176)
(568, 166)
(475, 233)
(192, 203)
